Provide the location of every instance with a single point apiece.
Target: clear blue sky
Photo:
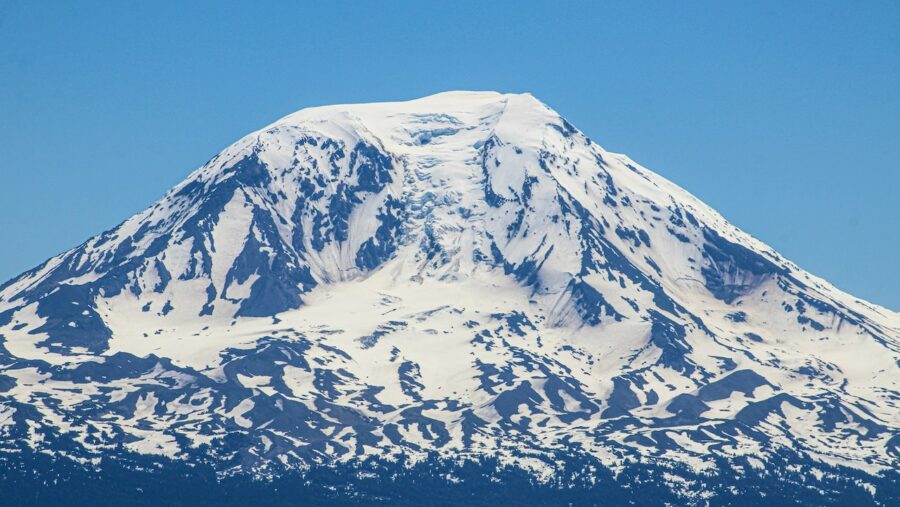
(785, 116)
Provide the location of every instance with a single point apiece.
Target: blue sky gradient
(785, 116)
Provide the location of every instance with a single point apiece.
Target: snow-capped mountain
(462, 276)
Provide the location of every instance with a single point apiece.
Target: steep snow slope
(463, 274)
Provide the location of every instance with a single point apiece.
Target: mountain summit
(464, 276)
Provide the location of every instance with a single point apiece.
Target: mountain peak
(446, 274)
(394, 121)
(447, 102)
